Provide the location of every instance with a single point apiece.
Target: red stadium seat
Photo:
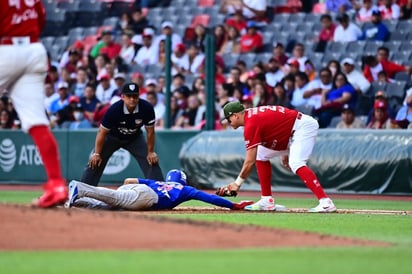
(202, 19)
(319, 8)
(206, 3)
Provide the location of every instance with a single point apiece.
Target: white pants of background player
(129, 197)
(23, 71)
(301, 144)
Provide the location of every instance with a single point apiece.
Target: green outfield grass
(395, 229)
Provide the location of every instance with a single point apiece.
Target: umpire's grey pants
(137, 147)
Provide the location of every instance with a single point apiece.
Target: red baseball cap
(379, 105)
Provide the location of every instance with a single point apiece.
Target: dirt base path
(27, 228)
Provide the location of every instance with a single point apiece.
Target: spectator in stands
(138, 79)
(219, 32)
(404, 116)
(192, 115)
(342, 92)
(326, 33)
(382, 53)
(64, 116)
(124, 23)
(338, 6)
(324, 83)
(6, 120)
(138, 21)
(110, 47)
(198, 85)
(89, 102)
(261, 97)
(119, 80)
(310, 70)
(377, 31)
(301, 86)
(279, 53)
(298, 54)
(389, 10)
(334, 67)
(251, 9)
(231, 44)
(252, 41)
(77, 88)
(289, 84)
(175, 113)
(195, 59)
(406, 9)
(365, 12)
(199, 37)
(159, 108)
(100, 65)
(127, 52)
(63, 100)
(180, 60)
(95, 50)
(77, 46)
(355, 77)
(73, 62)
(167, 29)
(51, 95)
(373, 66)
(380, 118)
(237, 21)
(293, 67)
(348, 119)
(105, 90)
(148, 53)
(224, 94)
(234, 80)
(381, 96)
(346, 31)
(53, 76)
(80, 121)
(274, 74)
(280, 96)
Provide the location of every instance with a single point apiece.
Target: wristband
(239, 180)
(95, 154)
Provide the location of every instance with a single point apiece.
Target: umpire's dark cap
(130, 88)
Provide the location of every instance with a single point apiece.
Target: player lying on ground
(144, 194)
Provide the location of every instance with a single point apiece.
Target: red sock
(47, 146)
(264, 170)
(311, 181)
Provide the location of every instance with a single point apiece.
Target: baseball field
(368, 234)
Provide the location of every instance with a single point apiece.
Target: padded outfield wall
(362, 161)
(20, 162)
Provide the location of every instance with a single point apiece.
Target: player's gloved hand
(228, 191)
(241, 205)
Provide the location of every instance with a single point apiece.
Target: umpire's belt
(18, 40)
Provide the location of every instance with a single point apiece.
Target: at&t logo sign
(9, 156)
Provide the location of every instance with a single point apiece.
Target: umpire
(121, 128)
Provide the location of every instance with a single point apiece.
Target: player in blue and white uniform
(144, 194)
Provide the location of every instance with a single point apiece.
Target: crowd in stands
(354, 87)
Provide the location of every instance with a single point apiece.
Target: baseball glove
(226, 192)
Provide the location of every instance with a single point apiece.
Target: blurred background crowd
(346, 62)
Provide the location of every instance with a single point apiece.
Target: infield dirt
(27, 228)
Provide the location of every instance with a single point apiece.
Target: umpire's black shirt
(124, 125)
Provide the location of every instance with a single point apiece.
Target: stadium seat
(298, 17)
(62, 42)
(356, 46)
(69, 6)
(230, 60)
(396, 89)
(405, 77)
(206, 3)
(377, 86)
(393, 46)
(399, 35)
(372, 46)
(48, 41)
(202, 19)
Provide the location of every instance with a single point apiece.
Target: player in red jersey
(23, 67)
(271, 131)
